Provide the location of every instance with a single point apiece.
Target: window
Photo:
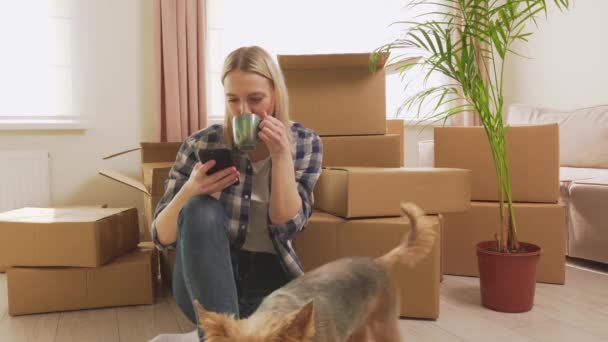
(303, 27)
(36, 64)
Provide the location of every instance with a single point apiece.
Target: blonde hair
(256, 60)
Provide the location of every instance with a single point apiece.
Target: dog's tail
(416, 245)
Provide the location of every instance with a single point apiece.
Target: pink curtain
(180, 27)
(466, 118)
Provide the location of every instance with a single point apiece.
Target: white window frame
(65, 11)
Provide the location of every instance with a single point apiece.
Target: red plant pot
(507, 280)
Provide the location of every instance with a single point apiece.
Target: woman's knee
(202, 216)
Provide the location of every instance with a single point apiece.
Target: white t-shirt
(257, 235)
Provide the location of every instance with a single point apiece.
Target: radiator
(24, 179)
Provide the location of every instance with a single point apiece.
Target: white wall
(116, 76)
(569, 66)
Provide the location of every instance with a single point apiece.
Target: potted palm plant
(467, 41)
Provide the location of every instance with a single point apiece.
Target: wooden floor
(577, 311)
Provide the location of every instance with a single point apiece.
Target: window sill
(17, 124)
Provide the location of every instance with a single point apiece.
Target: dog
(348, 300)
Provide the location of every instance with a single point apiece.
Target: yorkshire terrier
(347, 300)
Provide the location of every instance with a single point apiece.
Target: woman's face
(248, 92)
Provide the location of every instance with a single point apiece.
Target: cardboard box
(336, 94)
(157, 160)
(351, 192)
(328, 238)
(318, 243)
(398, 127)
(80, 237)
(541, 224)
(129, 280)
(533, 153)
(362, 150)
(4, 267)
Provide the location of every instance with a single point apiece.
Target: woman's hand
(274, 135)
(199, 183)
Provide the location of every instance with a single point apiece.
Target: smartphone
(222, 157)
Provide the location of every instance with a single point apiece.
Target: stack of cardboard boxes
(534, 168)
(363, 180)
(156, 162)
(61, 259)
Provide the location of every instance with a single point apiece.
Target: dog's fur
(351, 299)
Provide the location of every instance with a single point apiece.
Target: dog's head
(297, 326)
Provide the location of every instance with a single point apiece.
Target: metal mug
(245, 129)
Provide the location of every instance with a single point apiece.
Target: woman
(234, 250)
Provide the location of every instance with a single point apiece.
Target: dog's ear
(300, 324)
(214, 324)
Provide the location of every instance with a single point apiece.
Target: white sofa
(583, 172)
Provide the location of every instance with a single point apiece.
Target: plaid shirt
(307, 152)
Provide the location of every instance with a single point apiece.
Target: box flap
(152, 152)
(120, 153)
(328, 61)
(117, 176)
(54, 215)
(155, 175)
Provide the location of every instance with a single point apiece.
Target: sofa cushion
(575, 174)
(587, 233)
(583, 132)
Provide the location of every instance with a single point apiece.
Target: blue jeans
(223, 279)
